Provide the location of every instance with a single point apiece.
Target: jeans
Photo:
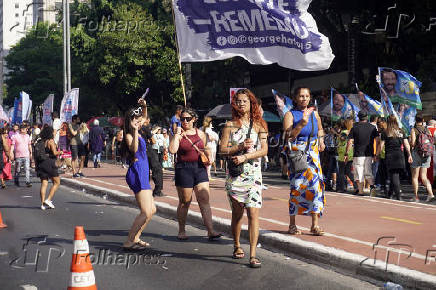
(344, 170)
(96, 157)
(332, 167)
(18, 163)
(375, 166)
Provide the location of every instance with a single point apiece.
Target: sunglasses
(137, 112)
(187, 119)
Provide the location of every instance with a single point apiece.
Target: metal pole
(64, 23)
(68, 46)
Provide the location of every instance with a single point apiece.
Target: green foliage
(35, 64)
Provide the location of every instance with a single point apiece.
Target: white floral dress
(247, 187)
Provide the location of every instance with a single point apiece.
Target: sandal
(144, 244)
(317, 231)
(293, 230)
(215, 237)
(238, 253)
(182, 237)
(255, 262)
(135, 247)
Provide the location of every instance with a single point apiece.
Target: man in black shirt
(153, 159)
(363, 135)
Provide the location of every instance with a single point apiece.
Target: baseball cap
(362, 115)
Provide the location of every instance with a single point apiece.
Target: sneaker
(49, 203)
(430, 198)
(43, 207)
(264, 186)
(373, 192)
(81, 174)
(28, 184)
(160, 193)
(77, 175)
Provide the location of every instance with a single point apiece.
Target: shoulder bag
(298, 159)
(236, 170)
(202, 156)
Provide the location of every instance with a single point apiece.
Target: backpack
(424, 143)
(39, 151)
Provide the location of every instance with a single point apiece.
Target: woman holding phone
(191, 174)
(247, 134)
(303, 130)
(133, 148)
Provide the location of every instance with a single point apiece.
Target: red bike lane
(401, 233)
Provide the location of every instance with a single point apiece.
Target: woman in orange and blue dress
(307, 187)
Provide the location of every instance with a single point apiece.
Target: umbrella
(221, 112)
(103, 122)
(117, 121)
(271, 117)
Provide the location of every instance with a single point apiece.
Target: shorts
(419, 161)
(363, 169)
(190, 174)
(77, 151)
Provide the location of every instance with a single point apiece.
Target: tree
(35, 65)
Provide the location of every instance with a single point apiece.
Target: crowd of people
(373, 154)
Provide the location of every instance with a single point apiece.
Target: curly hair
(255, 112)
(47, 133)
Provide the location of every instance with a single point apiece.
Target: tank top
(305, 132)
(187, 152)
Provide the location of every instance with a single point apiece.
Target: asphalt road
(36, 248)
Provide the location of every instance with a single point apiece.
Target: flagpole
(179, 59)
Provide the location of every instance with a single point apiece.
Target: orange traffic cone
(82, 274)
(2, 225)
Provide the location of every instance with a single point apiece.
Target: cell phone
(145, 94)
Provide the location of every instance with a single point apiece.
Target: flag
(47, 109)
(262, 32)
(17, 117)
(26, 104)
(69, 105)
(284, 103)
(400, 86)
(369, 105)
(341, 107)
(3, 115)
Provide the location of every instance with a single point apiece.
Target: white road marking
(29, 287)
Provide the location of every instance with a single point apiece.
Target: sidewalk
(385, 239)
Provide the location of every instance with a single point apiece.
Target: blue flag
(341, 107)
(283, 103)
(400, 86)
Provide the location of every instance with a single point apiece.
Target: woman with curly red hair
(244, 141)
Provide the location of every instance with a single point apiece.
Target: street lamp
(67, 52)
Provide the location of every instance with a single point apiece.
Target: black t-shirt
(363, 134)
(147, 135)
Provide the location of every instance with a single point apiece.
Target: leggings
(344, 170)
(394, 176)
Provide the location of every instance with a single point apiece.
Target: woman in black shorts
(46, 169)
(190, 173)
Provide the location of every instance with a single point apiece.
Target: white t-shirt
(57, 123)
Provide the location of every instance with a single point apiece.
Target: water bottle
(392, 286)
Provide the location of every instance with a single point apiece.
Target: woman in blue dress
(133, 148)
(302, 125)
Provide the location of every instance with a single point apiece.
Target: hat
(362, 115)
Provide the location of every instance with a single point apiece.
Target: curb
(351, 263)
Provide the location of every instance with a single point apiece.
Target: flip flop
(238, 253)
(182, 238)
(144, 244)
(255, 262)
(215, 237)
(136, 247)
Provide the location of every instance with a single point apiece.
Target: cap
(362, 115)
